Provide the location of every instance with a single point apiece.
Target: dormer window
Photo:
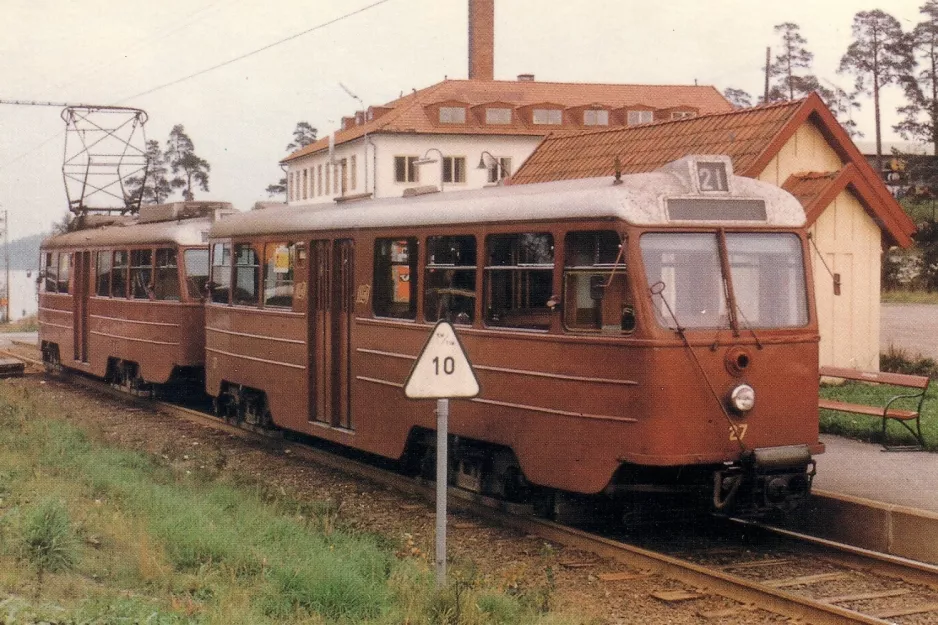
(595, 117)
(498, 116)
(640, 117)
(682, 114)
(547, 116)
(452, 115)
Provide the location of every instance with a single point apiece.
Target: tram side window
(166, 278)
(519, 278)
(221, 272)
(279, 260)
(247, 275)
(64, 272)
(141, 274)
(119, 274)
(103, 274)
(196, 271)
(395, 282)
(450, 291)
(596, 295)
(51, 272)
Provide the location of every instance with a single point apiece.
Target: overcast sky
(241, 116)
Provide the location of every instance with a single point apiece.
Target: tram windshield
(766, 275)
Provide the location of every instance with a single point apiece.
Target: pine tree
(181, 156)
(920, 115)
(155, 187)
(879, 55)
(793, 57)
(303, 135)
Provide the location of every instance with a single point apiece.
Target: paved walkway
(903, 478)
(911, 327)
(7, 338)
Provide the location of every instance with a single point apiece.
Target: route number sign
(442, 370)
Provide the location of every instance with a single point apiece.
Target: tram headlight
(743, 398)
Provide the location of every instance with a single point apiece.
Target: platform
(875, 499)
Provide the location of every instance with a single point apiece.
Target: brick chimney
(482, 39)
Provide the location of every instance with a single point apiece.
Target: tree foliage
(187, 167)
(738, 97)
(879, 55)
(785, 69)
(154, 188)
(303, 135)
(920, 114)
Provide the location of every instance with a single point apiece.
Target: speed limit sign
(442, 370)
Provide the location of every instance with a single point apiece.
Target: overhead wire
(204, 71)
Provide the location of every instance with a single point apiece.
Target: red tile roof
(750, 137)
(407, 114)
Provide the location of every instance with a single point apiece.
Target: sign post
(442, 371)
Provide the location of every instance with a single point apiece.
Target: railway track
(798, 576)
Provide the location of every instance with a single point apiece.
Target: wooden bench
(887, 412)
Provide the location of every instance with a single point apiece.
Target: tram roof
(640, 199)
(183, 232)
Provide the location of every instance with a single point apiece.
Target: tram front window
(688, 264)
(766, 272)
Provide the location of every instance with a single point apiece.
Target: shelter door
(331, 265)
(80, 293)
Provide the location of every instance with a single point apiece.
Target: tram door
(80, 290)
(330, 316)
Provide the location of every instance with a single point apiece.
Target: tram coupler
(766, 479)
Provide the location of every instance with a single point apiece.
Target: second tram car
(123, 300)
(654, 332)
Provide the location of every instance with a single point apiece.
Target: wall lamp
(498, 165)
(426, 161)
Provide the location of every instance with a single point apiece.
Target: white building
(456, 124)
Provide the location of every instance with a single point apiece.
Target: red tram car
(654, 332)
(123, 300)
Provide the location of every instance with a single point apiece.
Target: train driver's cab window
(196, 261)
(596, 295)
(247, 275)
(50, 272)
(395, 282)
(119, 274)
(64, 272)
(687, 266)
(221, 272)
(141, 274)
(166, 277)
(450, 291)
(103, 274)
(767, 270)
(279, 263)
(519, 275)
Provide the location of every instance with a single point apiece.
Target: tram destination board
(442, 370)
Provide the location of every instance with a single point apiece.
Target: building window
(454, 169)
(404, 169)
(519, 280)
(279, 260)
(335, 178)
(119, 274)
(290, 186)
(319, 180)
(596, 295)
(450, 279)
(547, 116)
(452, 115)
(305, 184)
(247, 275)
(640, 117)
(499, 169)
(141, 274)
(595, 117)
(103, 275)
(353, 171)
(328, 181)
(221, 273)
(498, 116)
(344, 165)
(681, 114)
(395, 280)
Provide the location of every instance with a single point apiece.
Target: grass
(908, 297)
(119, 536)
(26, 324)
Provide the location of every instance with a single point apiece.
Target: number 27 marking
(738, 433)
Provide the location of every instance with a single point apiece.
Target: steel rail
(715, 581)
